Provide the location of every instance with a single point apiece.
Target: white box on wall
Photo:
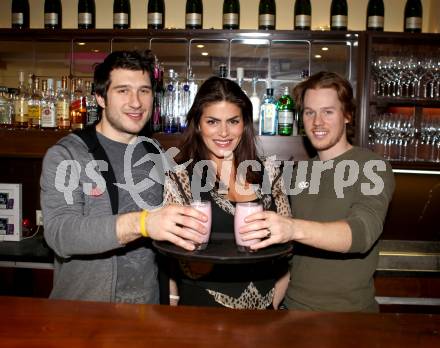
(10, 212)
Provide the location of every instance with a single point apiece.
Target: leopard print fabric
(177, 190)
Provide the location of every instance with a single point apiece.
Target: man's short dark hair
(130, 60)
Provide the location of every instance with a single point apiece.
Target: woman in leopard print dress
(220, 131)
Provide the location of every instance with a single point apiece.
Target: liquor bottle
(158, 98)
(20, 14)
(194, 14)
(302, 15)
(375, 15)
(338, 15)
(286, 109)
(231, 14)
(267, 15)
(34, 104)
(6, 108)
(63, 102)
(240, 78)
(86, 14)
(121, 14)
(156, 14)
(77, 109)
(48, 106)
(255, 100)
(52, 14)
(171, 103)
(223, 71)
(413, 16)
(91, 104)
(268, 114)
(21, 114)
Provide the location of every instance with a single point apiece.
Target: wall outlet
(39, 218)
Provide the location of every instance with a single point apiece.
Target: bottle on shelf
(194, 14)
(413, 16)
(86, 14)
(121, 14)
(267, 15)
(158, 98)
(255, 100)
(20, 14)
(91, 104)
(53, 14)
(6, 108)
(375, 15)
(78, 109)
(231, 14)
(338, 15)
(171, 103)
(63, 103)
(268, 114)
(156, 14)
(193, 88)
(302, 15)
(34, 104)
(48, 106)
(286, 110)
(240, 77)
(21, 115)
(223, 71)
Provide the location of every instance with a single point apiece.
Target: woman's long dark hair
(214, 90)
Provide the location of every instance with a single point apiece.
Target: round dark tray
(222, 249)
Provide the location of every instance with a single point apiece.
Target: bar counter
(30, 322)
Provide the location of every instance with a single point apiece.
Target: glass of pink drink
(205, 208)
(243, 210)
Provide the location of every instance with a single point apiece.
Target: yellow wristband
(143, 221)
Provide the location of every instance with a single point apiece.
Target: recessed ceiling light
(318, 56)
(205, 53)
(324, 48)
(95, 50)
(81, 43)
(200, 46)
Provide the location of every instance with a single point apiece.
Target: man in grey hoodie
(102, 205)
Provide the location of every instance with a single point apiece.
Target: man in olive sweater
(339, 202)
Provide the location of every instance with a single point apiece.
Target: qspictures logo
(71, 176)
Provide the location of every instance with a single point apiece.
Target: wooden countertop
(49, 323)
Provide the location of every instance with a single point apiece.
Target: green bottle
(302, 15)
(413, 16)
(52, 14)
(286, 111)
(156, 14)
(121, 14)
(231, 14)
(338, 15)
(375, 15)
(266, 15)
(194, 14)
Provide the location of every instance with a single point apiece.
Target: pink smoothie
(242, 210)
(205, 208)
